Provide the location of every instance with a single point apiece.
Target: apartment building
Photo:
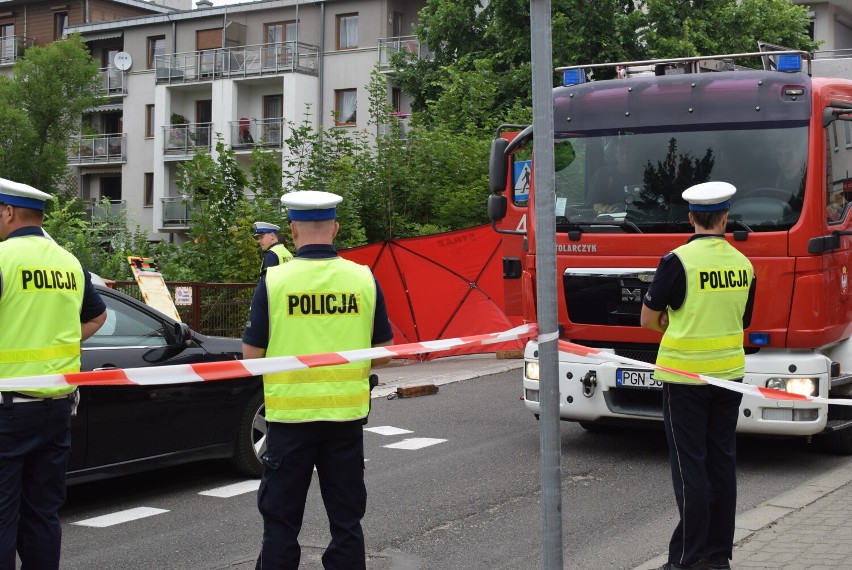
(180, 79)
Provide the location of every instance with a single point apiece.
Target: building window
(396, 99)
(60, 22)
(111, 188)
(347, 31)
(345, 105)
(156, 46)
(291, 31)
(149, 190)
(149, 121)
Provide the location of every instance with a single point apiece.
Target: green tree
(40, 108)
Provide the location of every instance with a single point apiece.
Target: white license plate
(627, 378)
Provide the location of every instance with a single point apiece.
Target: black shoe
(673, 566)
(720, 563)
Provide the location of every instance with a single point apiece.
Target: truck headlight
(800, 386)
(531, 370)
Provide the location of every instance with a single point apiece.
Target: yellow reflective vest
(705, 335)
(40, 304)
(282, 252)
(318, 306)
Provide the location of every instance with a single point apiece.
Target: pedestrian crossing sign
(521, 177)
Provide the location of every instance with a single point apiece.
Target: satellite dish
(122, 60)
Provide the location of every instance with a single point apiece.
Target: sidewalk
(806, 528)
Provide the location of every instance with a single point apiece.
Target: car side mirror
(183, 334)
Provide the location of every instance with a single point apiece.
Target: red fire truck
(625, 150)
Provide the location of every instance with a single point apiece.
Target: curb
(769, 512)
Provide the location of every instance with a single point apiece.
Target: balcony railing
(249, 133)
(262, 59)
(187, 139)
(12, 48)
(99, 211)
(401, 119)
(98, 149)
(112, 81)
(176, 211)
(408, 45)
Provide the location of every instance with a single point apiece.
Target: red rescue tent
(442, 286)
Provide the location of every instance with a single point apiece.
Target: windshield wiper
(563, 224)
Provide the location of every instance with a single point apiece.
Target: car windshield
(635, 180)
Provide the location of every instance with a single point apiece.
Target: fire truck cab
(625, 150)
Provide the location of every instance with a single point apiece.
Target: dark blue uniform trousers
(292, 451)
(700, 423)
(35, 442)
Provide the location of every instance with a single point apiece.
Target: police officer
(317, 302)
(47, 306)
(701, 300)
(274, 252)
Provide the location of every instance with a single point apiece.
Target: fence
(217, 309)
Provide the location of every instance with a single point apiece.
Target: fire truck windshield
(636, 179)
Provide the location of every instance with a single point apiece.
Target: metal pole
(545, 249)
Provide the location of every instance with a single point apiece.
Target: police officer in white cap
(47, 306)
(316, 303)
(274, 252)
(701, 300)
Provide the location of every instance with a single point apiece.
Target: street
(453, 482)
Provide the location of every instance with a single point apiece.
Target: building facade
(240, 72)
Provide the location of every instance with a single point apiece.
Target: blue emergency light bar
(759, 338)
(790, 62)
(573, 77)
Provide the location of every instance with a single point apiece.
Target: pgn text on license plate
(628, 378)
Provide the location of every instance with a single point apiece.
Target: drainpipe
(320, 59)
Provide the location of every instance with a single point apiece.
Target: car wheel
(251, 437)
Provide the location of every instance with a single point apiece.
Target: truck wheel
(837, 442)
(251, 437)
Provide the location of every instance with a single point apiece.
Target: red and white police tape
(207, 371)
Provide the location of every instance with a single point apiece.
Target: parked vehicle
(625, 150)
(130, 428)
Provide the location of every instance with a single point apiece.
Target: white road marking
(121, 517)
(415, 443)
(233, 490)
(388, 430)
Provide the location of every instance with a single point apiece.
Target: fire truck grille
(648, 403)
(645, 355)
(605, 299)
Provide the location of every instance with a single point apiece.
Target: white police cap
(21, 195)
(709, 196)
(311, 205)
(265, 228)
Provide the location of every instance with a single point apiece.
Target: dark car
(129, 428)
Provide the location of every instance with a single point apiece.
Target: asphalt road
(458, 489)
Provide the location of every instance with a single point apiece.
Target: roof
(134, 3)
(173, 16)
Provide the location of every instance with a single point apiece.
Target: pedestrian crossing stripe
(233, 490)
(121, 517)
(413, 443)
(388, 430)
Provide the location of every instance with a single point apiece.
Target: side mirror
(497, 205)
(183, 334)
(498, 167)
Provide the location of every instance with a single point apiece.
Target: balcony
(176, 212)
(409, 46)
(112, 81)
(101, 211)
(242, 61)
(187, 139)
(398, 126)
(12, 48)
(251, 133)
(98, 149)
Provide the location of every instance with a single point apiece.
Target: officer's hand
(664, 320)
